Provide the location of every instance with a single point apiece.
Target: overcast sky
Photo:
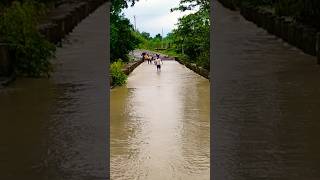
(153, 15)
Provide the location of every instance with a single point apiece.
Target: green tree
(185, 5)
(158, 36)
(123, 38)
(18, 27)
(118, 5)
(146, 35)
(192, 36)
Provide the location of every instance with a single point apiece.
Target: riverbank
(130, 66)
(293, 32)
(197, 69)
(6, 80)
(59, 22)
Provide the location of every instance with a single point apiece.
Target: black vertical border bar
(108, 89)
(212, 85)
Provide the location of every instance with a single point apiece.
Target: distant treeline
(306, 11)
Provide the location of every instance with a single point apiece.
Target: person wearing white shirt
(158, 63)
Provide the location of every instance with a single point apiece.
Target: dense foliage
(123, 38)
(146, 35)
(152, 43)
(117, 75)
(18, 27)
(192, 37)
(118, 5)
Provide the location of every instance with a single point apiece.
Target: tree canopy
(158, 36)
(192, 36)
(123, 38)
(146, 35)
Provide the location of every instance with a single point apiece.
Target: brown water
(266, 110)
(160, 125)
(55, 129)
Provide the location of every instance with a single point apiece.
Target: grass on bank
(119, 78)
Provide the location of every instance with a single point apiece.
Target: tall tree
(185, 5)
(118, 5)
(145, 35)
(123, 38)
(192, 36)
(158, 36)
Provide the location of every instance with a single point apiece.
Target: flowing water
(55, 129)
(265, 120)
(160, 125)
(266, 97)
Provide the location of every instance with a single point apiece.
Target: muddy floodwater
(160, 125)
(266, 111)
(55, 129)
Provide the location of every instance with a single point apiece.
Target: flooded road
(160, 125)
(266, 105)
(55, 129)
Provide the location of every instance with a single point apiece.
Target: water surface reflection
(160, 125)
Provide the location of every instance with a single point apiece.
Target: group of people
(156, 59)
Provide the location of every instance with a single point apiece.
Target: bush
(18, 27)
(118, 77)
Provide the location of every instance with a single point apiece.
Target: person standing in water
(143, 56)
(149, 59)
(158, 62)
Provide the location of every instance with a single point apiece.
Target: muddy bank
(5, 63)
(127, 69)
(199, 70)
(295, 33)
(131, 66)
(6, 80)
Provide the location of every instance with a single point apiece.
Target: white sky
(153, 15)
